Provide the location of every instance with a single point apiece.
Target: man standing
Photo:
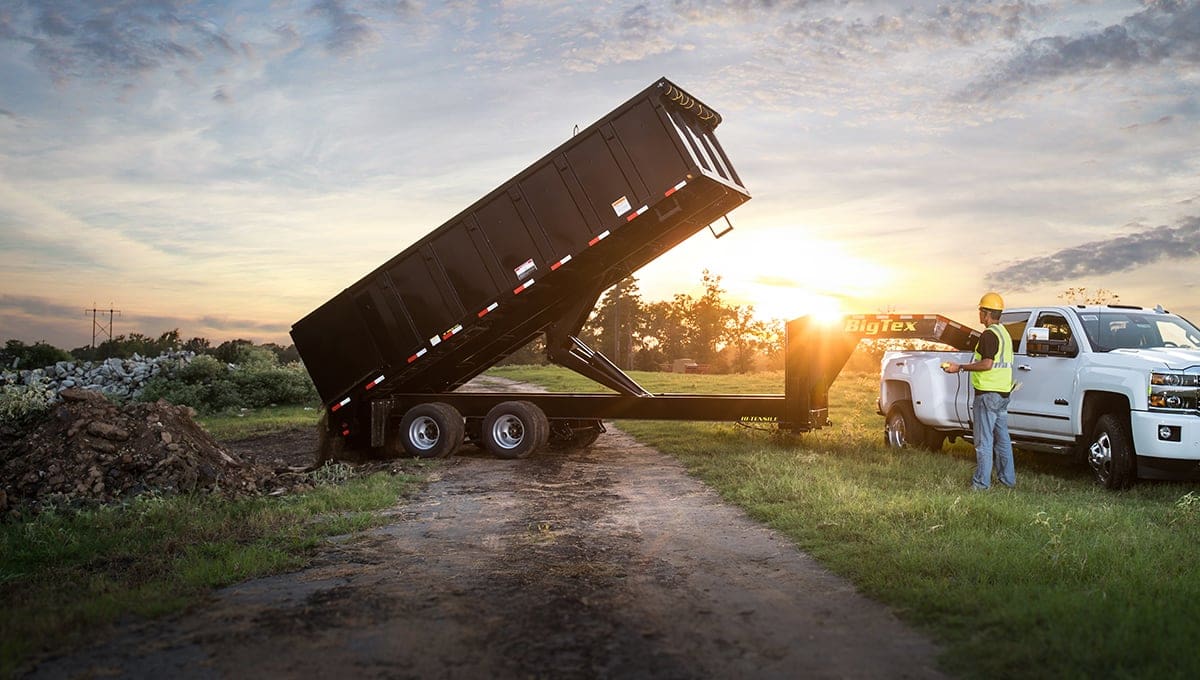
(991, 376)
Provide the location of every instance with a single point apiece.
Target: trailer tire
(433, 430)
(515, 429)
(1110, 453)
(902, 430)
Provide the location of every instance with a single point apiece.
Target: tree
(1080, 295)
(37, 355)
(617, 325)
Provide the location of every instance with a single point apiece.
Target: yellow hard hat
(992, 301)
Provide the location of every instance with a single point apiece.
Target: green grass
(1056, 579)
(65, 573)
(252, 422)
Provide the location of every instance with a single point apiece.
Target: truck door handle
(1024, 367)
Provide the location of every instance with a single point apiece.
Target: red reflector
(594, 241)
(345, 433)
(335, 407)
(371, 385)
(556, 265)
(631, 216)
(668, 192)
(481, 313)
(412, 358)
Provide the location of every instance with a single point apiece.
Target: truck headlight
(1174, 392)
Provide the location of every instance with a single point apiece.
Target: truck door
(1041, 407)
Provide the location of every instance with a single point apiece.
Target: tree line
(636, 334)
(40, 354)
(718, 336)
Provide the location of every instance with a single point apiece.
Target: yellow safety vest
(999, 377)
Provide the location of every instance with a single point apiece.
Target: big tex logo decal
(877, 326)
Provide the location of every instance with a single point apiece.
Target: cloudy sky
(224, 167)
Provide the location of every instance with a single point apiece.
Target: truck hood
(1160, 357)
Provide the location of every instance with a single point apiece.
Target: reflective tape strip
(450, 333)
(523, 286)
(639, 211)
(603, 235)
(560, 263)
(490, 308)
(340, 404)
(675, 188)
(374, 382)
(418, 355)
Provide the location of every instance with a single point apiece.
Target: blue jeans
(992, 441)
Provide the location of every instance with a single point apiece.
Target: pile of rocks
(119, 378)
(91, 450)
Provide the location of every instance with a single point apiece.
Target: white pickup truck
(1117, 386)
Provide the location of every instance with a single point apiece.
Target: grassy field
(1055, 579)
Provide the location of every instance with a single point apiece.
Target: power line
(98, 324)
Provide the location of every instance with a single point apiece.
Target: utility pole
(98, 324)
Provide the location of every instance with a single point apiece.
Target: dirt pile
(91, 450)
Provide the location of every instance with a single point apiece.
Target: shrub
(263, 386)
(21, 404)
(203, 369)
(209, 386)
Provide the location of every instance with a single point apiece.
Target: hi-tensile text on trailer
(388, 354)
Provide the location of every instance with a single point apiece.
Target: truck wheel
(1110, 453)
(515, 429)
(433, 430)
(901, 429)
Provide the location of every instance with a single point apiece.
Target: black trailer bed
(530, 257)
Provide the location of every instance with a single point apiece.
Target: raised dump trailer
(531, 257)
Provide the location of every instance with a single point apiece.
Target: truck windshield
(1109, 330)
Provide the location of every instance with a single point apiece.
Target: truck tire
(515, 429)
(1110, 453)
(901, 429)
(433, 430)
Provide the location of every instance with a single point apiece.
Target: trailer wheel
(433, 430)
(515, 429)
(1110, 453)
(901, 429)
(574, 434)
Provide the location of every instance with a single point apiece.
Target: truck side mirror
(1038, 343)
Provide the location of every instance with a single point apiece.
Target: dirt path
(610, 562)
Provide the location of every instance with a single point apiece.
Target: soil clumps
(88, 450)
